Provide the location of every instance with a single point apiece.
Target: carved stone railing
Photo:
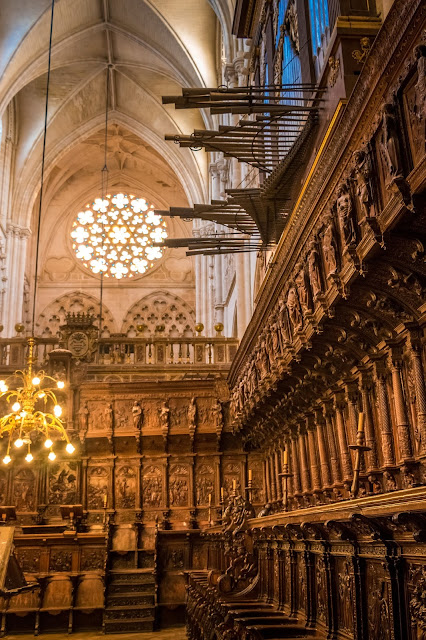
(125, 351)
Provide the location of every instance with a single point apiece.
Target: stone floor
(174, 633)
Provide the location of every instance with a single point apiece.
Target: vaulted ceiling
(149, 48)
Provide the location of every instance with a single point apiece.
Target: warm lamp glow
(48, 443)
(18, 443)
(16, 407)
(70, 448)
(52, 456)
(7, 459)
(57, 410)
(60, 384)
(36, 381)
(29, 456)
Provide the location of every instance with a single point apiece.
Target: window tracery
(115, 236)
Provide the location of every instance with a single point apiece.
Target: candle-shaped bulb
(234, 485)
(250, 475)
(210, 499)
(361, 419)
(105, 500)
(221, 494)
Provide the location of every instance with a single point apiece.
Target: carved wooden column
(266, 481)
(384, 415)
(345, 456)
(306, 480)
(402, 424)
(352, 403)
(336, 471)
(370, 435)
(415, 349)
(273, 481)
(277, 464)
(322, 450)
(312, 447)
(295, 466)
(84, 483)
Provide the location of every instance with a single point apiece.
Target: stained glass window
(115, 236)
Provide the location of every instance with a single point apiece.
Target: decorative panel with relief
(414, 96)
(97, 486)
(62, 483)
(125, 487)
(204, 413)
(231, 472)
(24, 492)
(152, 487)
(379, 609)
(179, 485)
(345, 595)
(123, 418)
(204, 485)
(178, 413)
(151, 413)
(100, 415)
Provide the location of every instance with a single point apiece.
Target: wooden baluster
(180, 353)
(172, 355)
(384, 415)
(402, 424)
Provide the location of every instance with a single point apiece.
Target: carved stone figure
(178, 489)
(345, 213)
(62, 484)
(389, 143)
(125, 487)
(217, 412)
(137, 414)
(283, 322)
(152, 487)
(265, 511)
(329, 248)
(293, 308)
(24, 490)
(314, 270)
(205, 487)
(364, 182)
(390, 481)
(109, 416)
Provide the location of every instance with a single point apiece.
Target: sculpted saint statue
(137, 414)
(192, 410)
(329, 249)
(293, 308)
(389, 144)
(364, 177)
(345, 212)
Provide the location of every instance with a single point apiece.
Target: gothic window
(116, 236)
(318, 11)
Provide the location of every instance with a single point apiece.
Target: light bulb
(57, 410)
(41, 394)
(3, 387)
(7, 459)
(52, 456)
(23, 414)
(36, 381)
(18, 443)
(60, 384)
(48, 443)
(16, 406)
(29, 456)
(70, 448)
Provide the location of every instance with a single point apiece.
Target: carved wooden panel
(125, 487)
(179, 485)
(24, 492)
(97, 486)
(152, 486)
(204, 484)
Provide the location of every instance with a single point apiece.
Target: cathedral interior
(213, 314)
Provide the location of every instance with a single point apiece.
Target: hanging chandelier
(27, 420)
(34, 410)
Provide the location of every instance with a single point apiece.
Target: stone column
(16, 253)
(345, 456)
(402, 424)
(384, 415)
(277, 464)
(322, 450)
(415, 350)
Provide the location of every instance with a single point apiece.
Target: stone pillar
(415, 350)
(345, 456)
(277, 464)
(322, 450)
(402, 424)
(384, 415)
(16, 253)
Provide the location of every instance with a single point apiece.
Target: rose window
(115, 236)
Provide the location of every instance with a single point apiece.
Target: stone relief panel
(204, 485)
(125, 487)
(97, 487)
(53, 316)
(179, 413)
(24, 490)
(414, 98)
(100, 416)
(179, 485)
(152, 487)
(160, 309)
(204, 413)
